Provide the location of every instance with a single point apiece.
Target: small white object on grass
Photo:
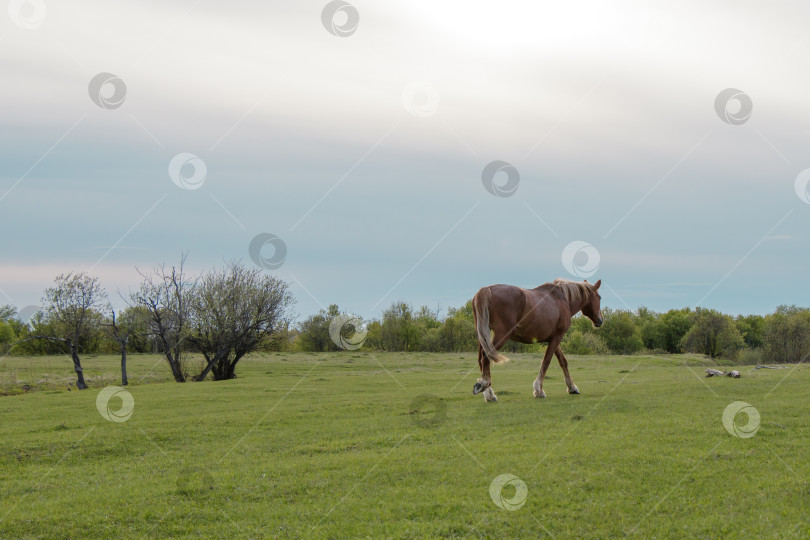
(712, 372)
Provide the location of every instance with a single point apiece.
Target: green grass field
(395, 445)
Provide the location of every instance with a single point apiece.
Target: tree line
(226, 313)
(780, 337)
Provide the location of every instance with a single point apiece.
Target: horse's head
(593, 308)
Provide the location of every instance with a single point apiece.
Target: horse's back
(512, 296)
(508, 296)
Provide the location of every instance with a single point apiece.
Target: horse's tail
(481, 309)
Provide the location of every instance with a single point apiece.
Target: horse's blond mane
(575, 292)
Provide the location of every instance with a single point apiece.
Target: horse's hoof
(539, 394)
(489, 396)
(573, 390)
(477, 388)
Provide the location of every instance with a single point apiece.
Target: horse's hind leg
(486, 378)
(501, 333)
(538, 382)
(481, 384)
(484, 383)
(489, 395)
(572, 388)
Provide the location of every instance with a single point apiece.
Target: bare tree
(165, 295)
(70, 308)
(122, 328)
(235, 311)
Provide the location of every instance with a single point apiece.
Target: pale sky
(362, 148)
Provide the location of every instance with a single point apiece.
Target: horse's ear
(597, 284)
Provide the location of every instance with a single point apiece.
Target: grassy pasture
(395, 445)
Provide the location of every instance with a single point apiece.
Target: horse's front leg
(572, 388)
(538, 382)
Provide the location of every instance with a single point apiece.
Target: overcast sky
(359, 136)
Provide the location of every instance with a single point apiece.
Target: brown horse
(535, 315)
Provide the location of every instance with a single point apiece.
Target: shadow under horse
(539, 315)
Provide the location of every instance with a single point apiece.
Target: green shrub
(578, 342)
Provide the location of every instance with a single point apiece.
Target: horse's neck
(576, 305)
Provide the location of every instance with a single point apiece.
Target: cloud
(594, 105)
